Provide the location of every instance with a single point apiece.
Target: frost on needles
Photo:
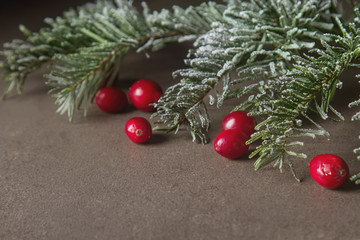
(288, 57)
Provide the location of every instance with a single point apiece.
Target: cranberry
(329, 170)
(231, 144)
(239, 120)
(138, 130)
(145, 92)
(111, 100)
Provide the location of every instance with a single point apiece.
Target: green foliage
(308, 87)
(264, 41)
(252, 37)
(288, 57)
(85, 45)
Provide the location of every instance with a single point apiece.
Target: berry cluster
(237, 128)
(142, 95)
(328, 170)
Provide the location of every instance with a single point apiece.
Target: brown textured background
(86, 180)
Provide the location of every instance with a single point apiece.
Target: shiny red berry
(239, 120)
(231, 144)
(138, 130)
(143, 93)
(329, 170)
(111, 100)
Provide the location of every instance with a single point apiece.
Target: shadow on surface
(348, 186)
(158, 138)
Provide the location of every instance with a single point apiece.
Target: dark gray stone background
(86, 180)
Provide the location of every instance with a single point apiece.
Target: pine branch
(297, 96)
(86, 45)
(26, 56)
(252, 37)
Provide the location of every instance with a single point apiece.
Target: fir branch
(26, 56)
(86, 44)
(252, 37)
(293, 101)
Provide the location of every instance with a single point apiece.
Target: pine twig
(86, 45)
(311, 76)
(239, 41)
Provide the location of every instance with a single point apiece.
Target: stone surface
(87, 180)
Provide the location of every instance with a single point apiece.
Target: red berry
(145, 92)
(329, 170)
(111, 100)
(239, 120)
(138, 130)
(231, 144)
